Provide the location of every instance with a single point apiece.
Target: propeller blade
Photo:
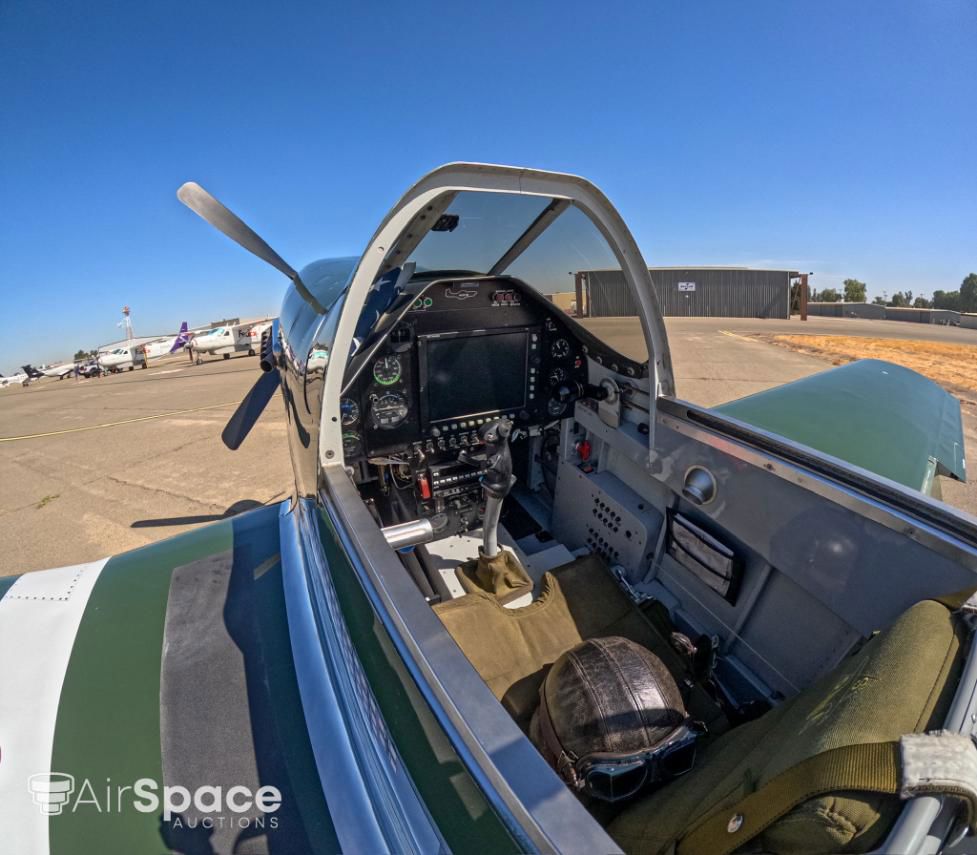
(248, 411)
(206, 206)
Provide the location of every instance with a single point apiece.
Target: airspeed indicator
(386, 370)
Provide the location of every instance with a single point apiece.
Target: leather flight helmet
(611, 720)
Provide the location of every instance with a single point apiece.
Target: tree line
(964, 299)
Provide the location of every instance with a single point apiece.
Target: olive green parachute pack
(829, 769)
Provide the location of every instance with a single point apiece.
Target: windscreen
(567, 259)
(487, 225)
(482, 391)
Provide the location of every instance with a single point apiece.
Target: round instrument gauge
(352, 444)
(389, 410)
(555, 407)
(557, 376)
(560, 349)
(386, 370)
(439, 521)
(349, 411)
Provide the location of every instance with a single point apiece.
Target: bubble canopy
(484, 219)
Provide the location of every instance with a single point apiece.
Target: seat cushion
(900, 682)
(512, 649)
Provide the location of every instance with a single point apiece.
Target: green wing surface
(879, 416)
(170, 664)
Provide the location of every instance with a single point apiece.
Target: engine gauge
(439, 522)
(349, 411)
(389, 410)
(386, 370)
(557, 376)
(352, 444)
(555, 407)
(560, 349)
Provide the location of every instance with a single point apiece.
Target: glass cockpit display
(472, 374)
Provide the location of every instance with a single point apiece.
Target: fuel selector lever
(607, 396)
(570, 392)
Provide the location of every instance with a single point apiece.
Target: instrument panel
(457, 354)
(466, 352)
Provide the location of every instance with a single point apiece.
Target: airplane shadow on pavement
(235, 509)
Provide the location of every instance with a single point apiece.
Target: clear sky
(837, 137)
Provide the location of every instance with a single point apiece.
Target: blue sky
(837, 137)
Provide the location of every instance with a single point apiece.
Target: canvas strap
(936, 763)
(960, 601)
(941, 763)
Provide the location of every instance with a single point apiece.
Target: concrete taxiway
(89, 468)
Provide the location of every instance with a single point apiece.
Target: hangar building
(698, 292)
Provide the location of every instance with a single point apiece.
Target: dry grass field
(951, 365)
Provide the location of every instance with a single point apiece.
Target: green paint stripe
(462, 813)
(6, 582)
(108, 724)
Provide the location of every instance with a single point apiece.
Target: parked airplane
(122, 358)
(232, 338)
(60, 371)
(165, 346)
(14, 380)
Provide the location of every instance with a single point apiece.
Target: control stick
(497, 480)
(496, 571)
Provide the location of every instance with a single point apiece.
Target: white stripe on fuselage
(39, 619)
